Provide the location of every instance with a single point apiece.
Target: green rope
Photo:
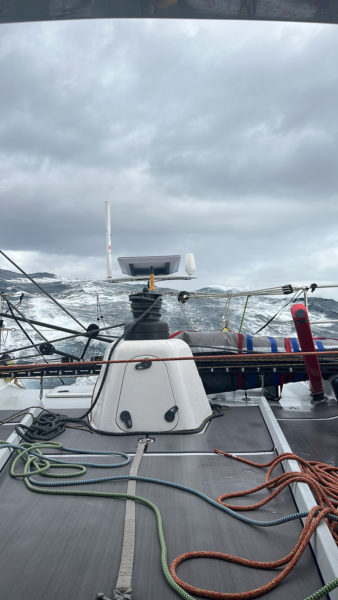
(41, 464)
(33, 457)
(326, 589)
(243, 315)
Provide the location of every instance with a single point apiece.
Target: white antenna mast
(108, 240)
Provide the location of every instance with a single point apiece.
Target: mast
(108, 240)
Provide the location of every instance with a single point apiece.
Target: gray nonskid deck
(57, 547)
(313, 440)
(205, 528)
(5, 414)
(306, 411)
(312, 431)
(238, 430)
(76, 542)
(5, 431)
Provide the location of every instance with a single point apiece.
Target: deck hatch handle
(144, 364)
(125, 416)
(170, 414)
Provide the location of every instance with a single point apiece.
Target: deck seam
(174, 454)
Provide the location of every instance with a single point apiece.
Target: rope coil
(323, 481)
(35, 463)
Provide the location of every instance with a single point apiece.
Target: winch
(149, 395)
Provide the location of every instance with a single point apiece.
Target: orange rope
(321, 477)
(323, 480)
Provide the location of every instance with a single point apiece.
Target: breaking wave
(106, 304)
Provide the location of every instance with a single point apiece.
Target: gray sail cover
(232, 342)
(313, 11)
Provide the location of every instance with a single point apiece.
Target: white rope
(225, 320)
(190, 323)
(273, 291)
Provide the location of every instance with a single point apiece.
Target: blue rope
(164, 482)
(74, 451)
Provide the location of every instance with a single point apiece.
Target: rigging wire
(273, 291)
(15, 307)
(23, 330)
(36, 346)
(127, 330)
(4, 297)
(295, 297)
(99, 315)
(42, 289)
(190, 323)
(3, 338)
(70, 337)
(225, 320)
(243, 315)
(57, 327)
(50, 425)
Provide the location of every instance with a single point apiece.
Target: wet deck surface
(65, 548)
(313, 440)
(312, 431)
(57, 547)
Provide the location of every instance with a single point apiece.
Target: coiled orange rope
(323, 480)
(321, 477)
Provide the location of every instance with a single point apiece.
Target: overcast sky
(217, 138)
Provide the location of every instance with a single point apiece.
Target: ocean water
(107, 304)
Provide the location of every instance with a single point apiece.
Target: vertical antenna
(108, 240)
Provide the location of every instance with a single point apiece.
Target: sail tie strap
(123, 589)
(118, 594)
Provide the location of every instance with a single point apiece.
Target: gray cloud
(218, 138)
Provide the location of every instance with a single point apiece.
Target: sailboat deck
(311, 432)
(66, 547)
